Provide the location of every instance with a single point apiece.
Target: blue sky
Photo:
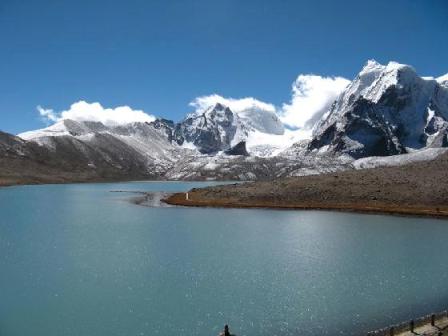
(157, 56)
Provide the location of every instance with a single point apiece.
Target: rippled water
(80, 260)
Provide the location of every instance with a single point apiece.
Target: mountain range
(387, 115)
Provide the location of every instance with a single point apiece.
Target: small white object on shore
(186, 196)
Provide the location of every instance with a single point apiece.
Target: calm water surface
(80, 260)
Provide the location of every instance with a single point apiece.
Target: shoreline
(416, 189)
(35, 183)
(179, 199)
(31, 183)
(434, 324)
(150, 199)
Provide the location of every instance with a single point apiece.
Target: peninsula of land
(415, 189)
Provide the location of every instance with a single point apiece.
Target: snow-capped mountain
(443, 80)
(156, 147)
(218, 128)
(386, 110)
(164, 149)
(141, 145)
(214, 130)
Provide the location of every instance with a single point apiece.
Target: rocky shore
(414, 189)
(150, 199)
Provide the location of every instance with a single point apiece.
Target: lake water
(79, 260)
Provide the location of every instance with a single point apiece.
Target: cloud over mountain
(236, 105)
(83, 111)
(312, 96)
(256, 114)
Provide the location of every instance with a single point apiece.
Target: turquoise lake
(79, 260)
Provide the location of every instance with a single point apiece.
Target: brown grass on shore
(179, 199)
(415, 189)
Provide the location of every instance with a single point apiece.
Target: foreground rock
(419, 188)
(151, 199)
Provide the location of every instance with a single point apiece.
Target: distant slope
(27, 162)
(417, 188)
(141, 147)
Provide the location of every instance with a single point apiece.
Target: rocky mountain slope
(72, 151)
(211, 131)
(141, 147)
(218, 128)
(23, 162)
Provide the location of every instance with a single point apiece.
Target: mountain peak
(392, 65)
(443, 80)
(386, 110)
(219, 107)
(371, 65)
(375, 78)
(374, 66)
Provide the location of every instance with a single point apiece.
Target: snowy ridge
(443, 80)
(151, 145)
(58, 129)
(399, 160)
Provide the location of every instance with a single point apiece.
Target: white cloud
(47, 115)
(83, 111)
(236, 105)
(312, 96)
(258, 115)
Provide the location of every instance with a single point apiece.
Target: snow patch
(398, 160)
